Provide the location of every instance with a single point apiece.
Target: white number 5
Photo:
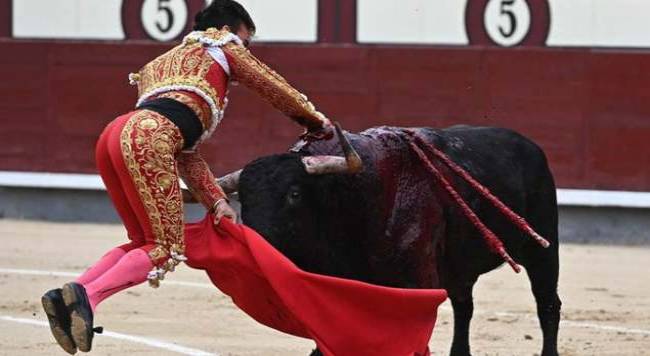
(507, 22)
(164, 20)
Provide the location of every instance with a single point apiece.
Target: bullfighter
(141, 155)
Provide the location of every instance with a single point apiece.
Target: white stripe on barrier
(74, 181)
(565, 197)
(603, 198)
(51, 180)
(135, 339)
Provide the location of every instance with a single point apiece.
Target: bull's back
(490, 151)
(513, 168)
(500, 158)
(495, 156)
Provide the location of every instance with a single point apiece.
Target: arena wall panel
(587, 108)
(5, 18)
(277, 21)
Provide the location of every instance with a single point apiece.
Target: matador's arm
(196, 174)
(254, 74)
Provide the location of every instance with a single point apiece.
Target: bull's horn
(352, 163)
(230, 182)
(355, 164)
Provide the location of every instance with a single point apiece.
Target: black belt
(180, 114)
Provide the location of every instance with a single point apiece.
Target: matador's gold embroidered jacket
(197, 73)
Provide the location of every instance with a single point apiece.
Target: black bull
(392, 224)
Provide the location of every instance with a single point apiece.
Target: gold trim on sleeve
(273, 88)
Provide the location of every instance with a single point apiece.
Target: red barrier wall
(589, 109)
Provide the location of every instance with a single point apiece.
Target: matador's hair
(223, 12)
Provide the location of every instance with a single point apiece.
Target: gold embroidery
(199, 179)
(251, 72)
(158, 253)
(149, 144)
(148, 124)
(184, 65)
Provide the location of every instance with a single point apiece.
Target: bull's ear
(230, 182)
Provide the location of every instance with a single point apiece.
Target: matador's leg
(142, 151)
(120, 201)
(115, 188)
(149, 145)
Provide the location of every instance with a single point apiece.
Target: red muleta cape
(344, 317)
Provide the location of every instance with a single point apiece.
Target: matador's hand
(322, 133)
(221, 209)
(188, 197)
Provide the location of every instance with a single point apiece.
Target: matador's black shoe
(57, 315)
(81, 315)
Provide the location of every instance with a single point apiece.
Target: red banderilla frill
(493, 242)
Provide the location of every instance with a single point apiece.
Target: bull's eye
(294, 196)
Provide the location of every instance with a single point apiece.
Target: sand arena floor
(605, 291)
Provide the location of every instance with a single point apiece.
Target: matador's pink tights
(129, 271)
(104, 264)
